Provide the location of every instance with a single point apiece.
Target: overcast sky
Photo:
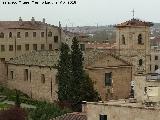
(85, 12)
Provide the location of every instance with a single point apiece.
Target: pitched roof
(23, 25)
(72, 116)
(134, 22)
(37, 58)
(93, 56)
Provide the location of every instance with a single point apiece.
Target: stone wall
(30, 40)
(131, 51)
(121, 80)
(118, 112)
(34, 86)
(3, 73)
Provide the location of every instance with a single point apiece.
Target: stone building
(155, 60)
(120, 110)
(147, 88)
(34, 74)
(133, 44)
(112, 76)
(20, 37)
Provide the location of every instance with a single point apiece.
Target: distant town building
(20, 37)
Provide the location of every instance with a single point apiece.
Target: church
(112, 71)
(133, 48)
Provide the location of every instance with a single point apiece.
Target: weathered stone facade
(147, 88)
(133, 44)
(155, 60)
(34, 74)
(34, 86)
(121, 111)
(20, 37)
(121, 76)
(3, 73)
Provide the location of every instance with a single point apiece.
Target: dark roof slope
(134, 22)
(23, 25)
(37, 58)
(72, 116)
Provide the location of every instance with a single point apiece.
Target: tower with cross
(133, 44)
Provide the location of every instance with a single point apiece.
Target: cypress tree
(74, 85)
(64, 73)
(83, 87)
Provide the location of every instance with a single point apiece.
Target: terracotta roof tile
(23, 25)
(72, 116)
(37, 58)
(134, 22)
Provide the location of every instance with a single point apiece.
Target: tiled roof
(134, 22)
(23, 25)
(37, 58)
(72, 116)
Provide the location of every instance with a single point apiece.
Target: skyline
(84, 13)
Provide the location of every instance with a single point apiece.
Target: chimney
(59, 24)
(84, 106)
(43, 20)
(32, 20)
(20, 19)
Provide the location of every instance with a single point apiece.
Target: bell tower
(133, 44)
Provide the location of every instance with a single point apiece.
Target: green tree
(74, 84)
(83, 87)
(64, 74)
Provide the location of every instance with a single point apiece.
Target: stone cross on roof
(133, 11)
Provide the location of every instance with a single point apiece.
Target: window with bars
(108, 79)
(55, 39)
(10, 47)
(26, 34)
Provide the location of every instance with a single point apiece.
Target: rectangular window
(42, 34)
(55, 39)
(34, 46)
(18, 47)
(34, 34)
(108, 79)
(27, 47)
(156, 57)
(30, 76)
(42, 47)
(18, 35)
(10, 47)
(11, 73)
(25, 74)
(26, 34)
(50, 46)
(82, 47)
(42, 78)
(2, 48)
(103, 117)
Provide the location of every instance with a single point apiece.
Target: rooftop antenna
(133, 11)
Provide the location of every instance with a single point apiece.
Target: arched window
(49, 34)
(156, 67)
(140, 39)
(10, 35)
(1, 35)
(123, 39)
(140, 62)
